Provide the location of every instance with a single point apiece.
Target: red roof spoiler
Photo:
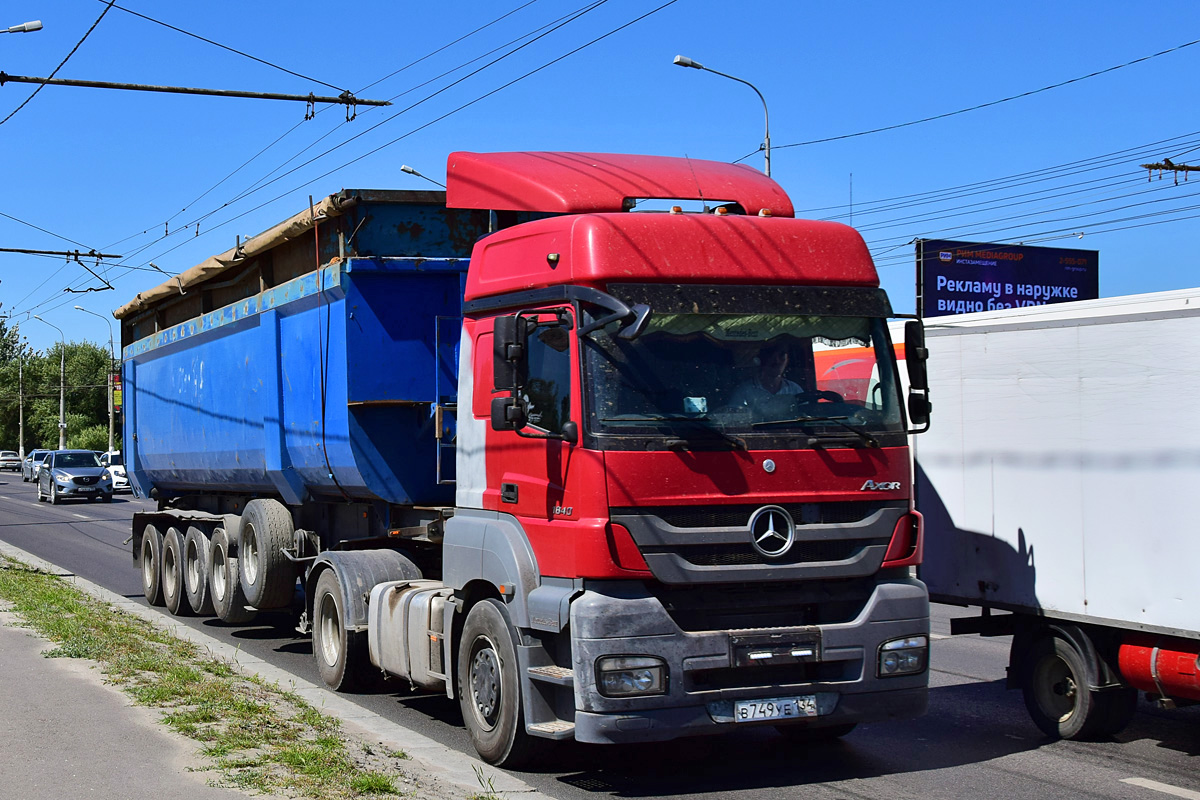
(578, 183)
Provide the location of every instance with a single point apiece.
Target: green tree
(85, 374)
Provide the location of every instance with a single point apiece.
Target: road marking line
(938, 636)
(1165, 788)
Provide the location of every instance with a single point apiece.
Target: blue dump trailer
(337, 383)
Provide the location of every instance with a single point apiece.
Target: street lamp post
(24, 27)
(62, 385)
(112, 360)
(684, 61)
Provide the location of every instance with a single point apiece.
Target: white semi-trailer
(1058, 486)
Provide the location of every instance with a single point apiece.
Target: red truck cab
(684, 536)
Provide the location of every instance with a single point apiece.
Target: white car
(10, 460)
(115, 466)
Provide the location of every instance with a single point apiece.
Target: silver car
(74, 474)
(31, 465)
(10, 460)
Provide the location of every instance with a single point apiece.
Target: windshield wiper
(704, 430)
(870, 440)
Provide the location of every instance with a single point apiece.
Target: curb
(436, 760)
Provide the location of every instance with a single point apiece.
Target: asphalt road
(976, 741)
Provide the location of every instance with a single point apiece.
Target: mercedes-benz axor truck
(601, 473)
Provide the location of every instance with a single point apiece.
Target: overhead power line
(345, 98)
(979, 106)
(13, 113)
(225, 47)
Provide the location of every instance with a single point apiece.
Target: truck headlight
(906, 656)
(631, 676)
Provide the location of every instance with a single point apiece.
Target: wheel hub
(485, 683)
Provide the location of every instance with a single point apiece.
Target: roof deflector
(576, 183)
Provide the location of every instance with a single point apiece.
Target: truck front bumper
(708, 672)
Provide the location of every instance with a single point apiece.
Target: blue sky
(116, 171)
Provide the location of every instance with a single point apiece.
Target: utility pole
(112, 361)
(62, 385)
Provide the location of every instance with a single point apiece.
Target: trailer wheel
(174, 594)
(195, 571)
(489, 687)
(224, 582)
(1056, 691)
(268, 578)
(342, 656)
(152, 542)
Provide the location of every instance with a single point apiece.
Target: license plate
(775, 708)
(85, 489)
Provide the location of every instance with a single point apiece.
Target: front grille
(743, 554)
(776, 675)
(86, 480)
(739, 516)
(763, 605)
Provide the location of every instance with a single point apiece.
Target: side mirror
(508, 414)
(510, 365)
(915, 355)
(634, 328)
(918, 411)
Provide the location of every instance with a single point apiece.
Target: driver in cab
(769, 381)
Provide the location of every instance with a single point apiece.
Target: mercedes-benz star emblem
(772, 531)
(769, 466)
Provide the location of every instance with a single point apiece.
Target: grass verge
(256, 736)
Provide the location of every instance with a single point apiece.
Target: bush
(91, 438)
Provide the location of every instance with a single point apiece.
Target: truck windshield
(704, 379)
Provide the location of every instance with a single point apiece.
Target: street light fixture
(24, 27)
(62, 385)
(684, 61)
(112, 356)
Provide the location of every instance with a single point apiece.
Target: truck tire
(268, 577)
(489, 687)
(342, 655)
(1055, 687)
(224, 581)
(173, 592)
(195, 571)
(152, 542)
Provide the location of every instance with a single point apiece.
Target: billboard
(962, 277)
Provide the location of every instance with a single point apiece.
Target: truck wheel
(195, 571)
(342, 656)
(489, 687)
(268, 578)
(224, 582)
(174, 596)
(1056, 691)
(152, 542)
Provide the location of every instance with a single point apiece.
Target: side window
(548, 393)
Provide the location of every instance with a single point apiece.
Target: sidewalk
(65, 733)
